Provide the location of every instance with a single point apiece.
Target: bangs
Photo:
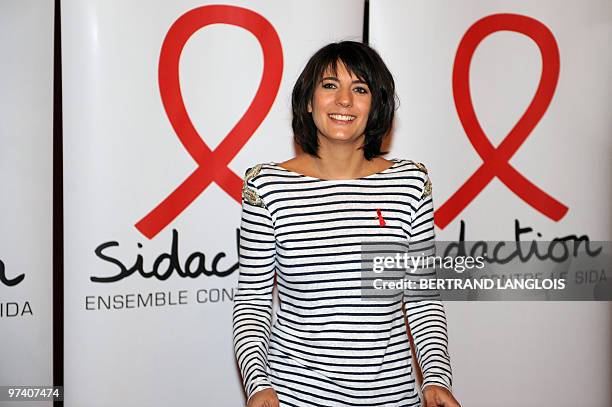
(331, 67)
(355, 62)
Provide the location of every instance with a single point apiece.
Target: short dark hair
(362, 61)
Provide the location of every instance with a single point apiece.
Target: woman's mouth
(341, 118)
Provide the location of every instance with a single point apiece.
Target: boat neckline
(396, 161)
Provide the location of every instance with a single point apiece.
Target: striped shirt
(328, 346)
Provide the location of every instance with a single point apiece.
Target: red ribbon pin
(495, 160)
(381, 220)
(212, 165)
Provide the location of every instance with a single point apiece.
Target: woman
(303, 223)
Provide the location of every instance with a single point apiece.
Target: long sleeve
(252, 313)
(426, 317)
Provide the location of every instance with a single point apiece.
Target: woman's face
(340, 106)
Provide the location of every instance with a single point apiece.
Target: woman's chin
(342, 137)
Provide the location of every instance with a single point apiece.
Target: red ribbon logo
(212, 165)
(495, 160)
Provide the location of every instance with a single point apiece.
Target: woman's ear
(309, 107)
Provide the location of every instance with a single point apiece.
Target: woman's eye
(329, 85)
(361, 90)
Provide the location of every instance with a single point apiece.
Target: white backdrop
(26, 136)
(512, 353)
(128, 145)
(158, 338)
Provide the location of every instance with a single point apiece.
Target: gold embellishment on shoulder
(420, 166)
(252, 172)
(427, 186)
(249, 194)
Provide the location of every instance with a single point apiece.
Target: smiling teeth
(342, 117)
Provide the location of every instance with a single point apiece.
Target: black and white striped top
(329, 347)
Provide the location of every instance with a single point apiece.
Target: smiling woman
(350, 79)
(303, 225)
(340, 106)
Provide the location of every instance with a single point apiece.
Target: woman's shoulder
(297, 164)
(253, 180)
(287, 168)
(257, 171)
(413, 166)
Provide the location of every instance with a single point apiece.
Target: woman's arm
(252, 314)
(426, 318)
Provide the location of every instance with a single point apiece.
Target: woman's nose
(344, 98)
